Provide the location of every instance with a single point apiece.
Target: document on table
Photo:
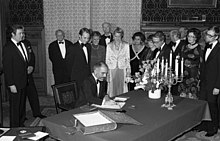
(91, 119)
(121, 99)
(3, 130)
(118, 105)
(7, 138)
(38, 135)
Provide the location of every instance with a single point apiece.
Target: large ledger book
(101, 121)
(93, 122)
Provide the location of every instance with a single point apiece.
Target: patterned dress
(192, 59)
(135, 61)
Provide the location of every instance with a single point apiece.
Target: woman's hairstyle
(139, 34)
(150, 37)
(119, 30)
(196, 32)
(96, 33)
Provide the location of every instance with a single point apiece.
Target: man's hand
(215, 91)
(13, 89)
(107, 101)
(30, 69)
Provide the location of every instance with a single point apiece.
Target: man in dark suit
(15, 69)
(210, 78)
(162, 51)
(176, 46)
(60, 54)
(32, 94)
(81, 57)
(107, 37)
(94, 87)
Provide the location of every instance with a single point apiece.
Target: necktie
(108, 37)
(25, 57)
(61, 42)
(209, 46)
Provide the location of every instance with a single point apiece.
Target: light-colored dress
(118, 61)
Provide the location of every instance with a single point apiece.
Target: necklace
(95, 47)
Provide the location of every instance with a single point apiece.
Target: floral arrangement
(148, 77)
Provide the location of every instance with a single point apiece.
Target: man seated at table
(94, 88)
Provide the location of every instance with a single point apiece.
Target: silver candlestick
(170, 80)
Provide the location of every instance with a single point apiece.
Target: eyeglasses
(209, 35)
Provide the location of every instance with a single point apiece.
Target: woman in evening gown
(192, 55)
(136, 52)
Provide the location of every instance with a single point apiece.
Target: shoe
(210, 134)
(40, 116)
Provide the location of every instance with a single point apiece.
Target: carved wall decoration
(158, 11)
(26, 12)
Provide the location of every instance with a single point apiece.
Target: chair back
(65, 95)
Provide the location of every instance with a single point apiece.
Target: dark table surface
(159, 124)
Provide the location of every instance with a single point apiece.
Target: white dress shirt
(62, 48)
(160, 50)
(85, 51)
(97, 84)
(174, 47)
(24, 54)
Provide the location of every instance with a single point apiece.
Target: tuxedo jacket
(210, 74)
(14, 66)
(80, 67)
(165, 52)
(102, 40)
(89, 89)
(61, 66)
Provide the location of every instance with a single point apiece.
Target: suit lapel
(213, 52)
(94, 85)
(18, 51)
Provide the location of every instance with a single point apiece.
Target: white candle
(158, 66)
(166, 68)
(162, 65)
(171, 57)
(177, 65)
(182, 67)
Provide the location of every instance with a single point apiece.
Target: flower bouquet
(148, 78)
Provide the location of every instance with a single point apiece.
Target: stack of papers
(119, 103)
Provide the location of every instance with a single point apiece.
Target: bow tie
(173, 44)
(19, 44)
(61, 42)
(83, 45)
(209, 46)
(98, 81)
(157, 50)
(108, 37)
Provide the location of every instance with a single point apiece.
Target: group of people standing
(101, 64)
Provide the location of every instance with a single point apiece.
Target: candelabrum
(169, 80)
